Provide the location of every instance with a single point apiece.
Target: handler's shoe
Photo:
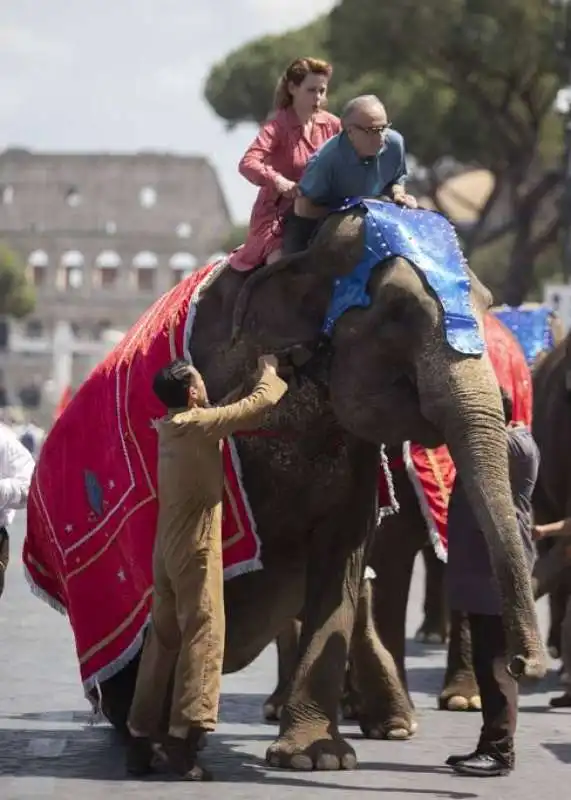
(563, 701)
(482, 765)
(139, 756)
(451, 761)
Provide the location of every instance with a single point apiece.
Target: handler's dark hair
(508, 405)
(171, 383)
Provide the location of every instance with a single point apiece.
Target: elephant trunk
(465, 403)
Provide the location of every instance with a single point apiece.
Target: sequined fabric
(429, 242)
(531, 326)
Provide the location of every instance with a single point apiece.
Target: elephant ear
(283, 304)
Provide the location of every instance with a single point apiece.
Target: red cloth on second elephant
(432, 471)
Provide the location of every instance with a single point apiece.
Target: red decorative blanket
(92, 509)
(432, 472)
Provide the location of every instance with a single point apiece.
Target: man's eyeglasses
(374, 130)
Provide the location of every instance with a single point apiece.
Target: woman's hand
(286, 187)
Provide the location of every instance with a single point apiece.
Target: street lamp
(563, 107)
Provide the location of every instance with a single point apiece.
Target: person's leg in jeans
(499, 693)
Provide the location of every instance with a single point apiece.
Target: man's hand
(404, 199)
(537, 533)
(560, 528)
(268, 362)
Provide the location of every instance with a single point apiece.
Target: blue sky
(128, 75)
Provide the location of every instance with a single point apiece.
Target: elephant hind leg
(460, 691)
(383, 707)
(117, 694)
(287, 645)
(435, 625)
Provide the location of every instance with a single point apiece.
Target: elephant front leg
(309, 737)
(396, 543)
(382, 705)
(287, 645)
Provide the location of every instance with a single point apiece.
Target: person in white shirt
(32, 437)
(16, 468)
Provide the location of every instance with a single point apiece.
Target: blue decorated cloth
(531, 325)
(429, 242)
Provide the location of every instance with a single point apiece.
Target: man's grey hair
(365, 102)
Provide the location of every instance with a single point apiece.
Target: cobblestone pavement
(48, 749)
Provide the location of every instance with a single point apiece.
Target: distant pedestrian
(16, 468)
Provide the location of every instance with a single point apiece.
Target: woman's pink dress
(281, 148)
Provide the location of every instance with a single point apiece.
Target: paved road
(49, 750)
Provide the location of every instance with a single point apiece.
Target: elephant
(397, 543)
(552, 496)
(386, 374)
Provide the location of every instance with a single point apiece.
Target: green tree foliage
(241, 88)
(473, 80)
(235, 238)
(16, 295)
(480, 80)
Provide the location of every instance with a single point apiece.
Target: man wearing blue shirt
(367, 159)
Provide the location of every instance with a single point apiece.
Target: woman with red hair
(277, 157)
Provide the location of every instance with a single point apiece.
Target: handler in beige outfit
(187, 619)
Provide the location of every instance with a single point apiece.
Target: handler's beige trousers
(186, 634)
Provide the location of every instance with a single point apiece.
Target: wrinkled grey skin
(396, 545)
(552, 497)
(312, 484)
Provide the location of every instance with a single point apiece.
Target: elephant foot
(460, 694)
(300, 750)
(431, 633)
(350, 705)
(272, 709)
(349, 711)
(459, 703)
(274, 704)
(396, 729)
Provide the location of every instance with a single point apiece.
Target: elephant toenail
(349, 761)
(398, 734)
(327, 761)
(457, 703)
(301, 762)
